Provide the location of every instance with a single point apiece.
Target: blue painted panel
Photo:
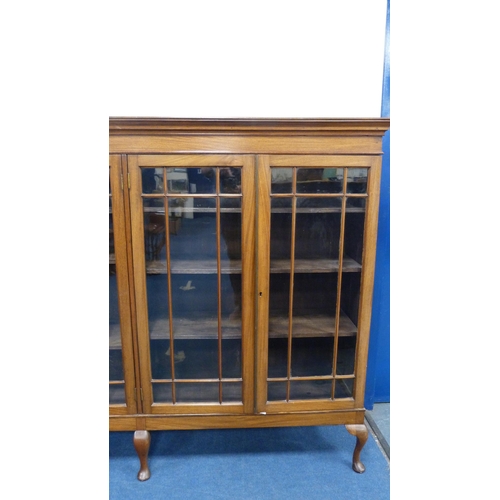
(378, 375)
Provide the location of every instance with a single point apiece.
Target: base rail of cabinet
(195, 422)
(142, 424)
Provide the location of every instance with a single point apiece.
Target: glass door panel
(116, 374)
(317, 219)
(191, 239)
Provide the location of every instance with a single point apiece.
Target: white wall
(66, 67)
(254, 59)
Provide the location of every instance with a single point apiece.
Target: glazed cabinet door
(122, 399)
(316, 248)
(193, 230)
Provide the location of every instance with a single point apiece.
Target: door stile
(367, 278)
(263, 267)
(133, 308)
(137, 226)
(122, 276)
(248, 243)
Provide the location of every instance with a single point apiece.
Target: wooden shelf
(315, 265)
(278, 266)
(188, 210)
(194, 267)
(277, 210)
(184, 329)
(311, 326)
(318, 210)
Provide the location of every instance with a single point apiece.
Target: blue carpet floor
(312, 463)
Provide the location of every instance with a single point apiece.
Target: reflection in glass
(193, 263)
(319, 180)
(177, 180)
(230, 180)
(230, 224)
(157, 290)
(230, 254)
(346, 355)
(117, 394)
(116, 391)
(152, 180)
(160, 354)
(277, 357)
(357, 179)
(281, 228)
(162, 392)
(193, 233)
(349, 303)
(154, 204)
(317, 228)
(201, 180)
(154, 234)
(114, 314)
(281, 180)
(311, 227)
(279, 305)
(312, 356)
(231, 392)
(231, 358)
(276, 391)
(344, 388)
(203, 392)
(115, 363)
(355, 205)
(310, 389)
(354, 229)
(230, 298)
(196, 359)
(111, 234)
(314, 296)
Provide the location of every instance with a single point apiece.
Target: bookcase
(241, 266)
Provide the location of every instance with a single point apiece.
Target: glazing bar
(292, 276)
(339, 283)
(169, 286)
(219, 282)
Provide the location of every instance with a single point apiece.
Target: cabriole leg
(361, 433)
(142, 440)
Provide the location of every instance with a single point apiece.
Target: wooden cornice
(119, 126)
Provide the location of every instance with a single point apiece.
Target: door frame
(247, 164)
(122, 276)
(264, 165)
